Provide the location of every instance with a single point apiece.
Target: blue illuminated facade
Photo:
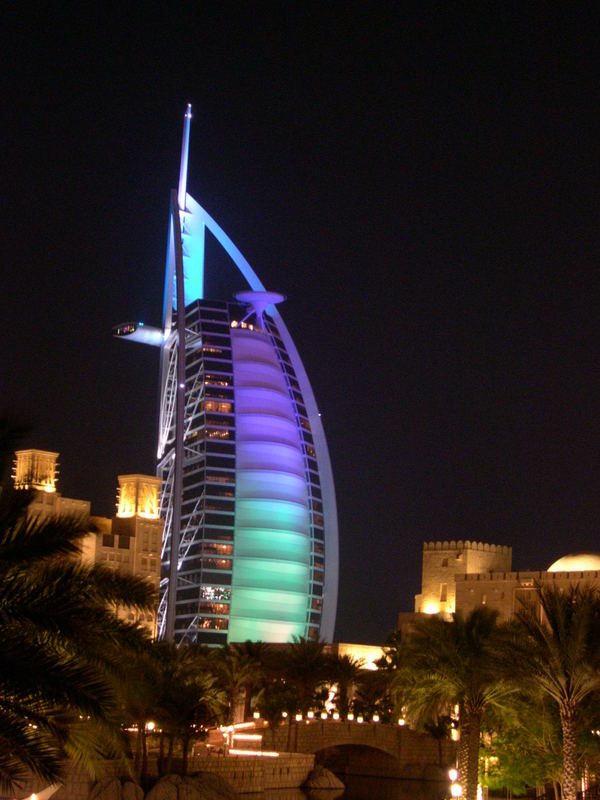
(251, 549)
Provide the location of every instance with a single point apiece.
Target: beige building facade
(129, 542)
(444, 561)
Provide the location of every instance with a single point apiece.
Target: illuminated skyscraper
(248, 501)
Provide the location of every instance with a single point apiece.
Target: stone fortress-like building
(462, 575)
(129, 542)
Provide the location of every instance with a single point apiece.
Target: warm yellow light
(454, 735)
(298, 717)
(456, 790)
(262, 753)
(284, 714)
(256, 715)
(375, 717)
(311, 715)
(336, 715)
(453, 774)
(150, 726)
(431, 607)
(350, 716)
(323, 715)
(247, 737)
(401, 721)
(360, 719)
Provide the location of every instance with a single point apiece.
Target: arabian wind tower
(250, 545)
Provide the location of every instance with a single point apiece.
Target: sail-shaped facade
(250, 549)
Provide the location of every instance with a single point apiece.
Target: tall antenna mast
(185, 146)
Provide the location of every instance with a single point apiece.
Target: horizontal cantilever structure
(250, 549)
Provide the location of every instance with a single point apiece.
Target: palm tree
(457, 663)
(140, 693)
(185, 697)
(62, 643)
(390, 665)
(345, 670)
(238, 670)
(562, 658)
(305, 666)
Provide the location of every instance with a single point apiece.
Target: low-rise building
(462, 575)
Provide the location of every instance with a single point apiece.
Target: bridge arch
(390, 749)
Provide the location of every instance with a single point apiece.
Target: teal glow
(240, 630)
(273, 543)
(262, 604)
(192, 243)
(271, 574)
(258, 513)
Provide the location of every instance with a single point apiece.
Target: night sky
(422, 184)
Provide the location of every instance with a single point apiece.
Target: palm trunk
(144, 770)
(161, 754)
(569, 753)
(170, 755)
(247, 700)
(468, 753)
(138, 748)
(185, 746)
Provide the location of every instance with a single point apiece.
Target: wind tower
(250, 546)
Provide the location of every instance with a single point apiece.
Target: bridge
(356, 748)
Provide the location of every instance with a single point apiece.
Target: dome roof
(576, 562)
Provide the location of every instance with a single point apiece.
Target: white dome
(576, 562)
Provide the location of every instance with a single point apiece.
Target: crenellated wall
(443, 561)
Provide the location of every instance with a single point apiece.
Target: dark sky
(422, 184)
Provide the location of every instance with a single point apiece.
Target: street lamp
(455, 787)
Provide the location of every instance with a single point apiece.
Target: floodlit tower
(250, 549)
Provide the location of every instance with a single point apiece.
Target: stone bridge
(363, 748)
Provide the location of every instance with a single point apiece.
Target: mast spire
(185, 146)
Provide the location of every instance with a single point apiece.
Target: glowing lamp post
(455, 788)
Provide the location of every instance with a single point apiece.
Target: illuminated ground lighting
(360, 720)
(375, 717)
(311, 715)
(350, 717)
(336, 715)
(323, 715)
(238, 726)
(247, 737)
(263, 753)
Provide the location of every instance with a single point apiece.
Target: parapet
(467, 545)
